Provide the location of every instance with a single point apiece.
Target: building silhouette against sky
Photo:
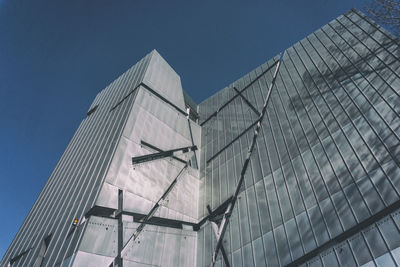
(149, 174)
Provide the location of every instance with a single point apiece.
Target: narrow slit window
(14, 259)
(44, 245)
(93, 109)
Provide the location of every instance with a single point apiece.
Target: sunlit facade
(149, 173)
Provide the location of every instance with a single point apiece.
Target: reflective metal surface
(328, 160)
(322, 187)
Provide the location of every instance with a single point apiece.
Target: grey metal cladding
(100, 237)
(76, 180)
(322, 187)
(165, 80)
(328, 157)
(143, 102)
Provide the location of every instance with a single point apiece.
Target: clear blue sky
(55, 56)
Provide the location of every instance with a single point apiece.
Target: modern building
(149, 178)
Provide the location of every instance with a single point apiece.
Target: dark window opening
(42, 252)
(193, 115)
(93, 109)
(193, 162)
(14, 259)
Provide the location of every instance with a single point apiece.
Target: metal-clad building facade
(144, 104)
(322, 187)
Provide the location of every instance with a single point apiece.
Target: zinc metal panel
(295, 244)
(253, 214)
(360, 249)
(108, 196)
(315, 178)
(282, 245)
(90, 260)
(383, 186)
(304, 182)
(329, 259)
(356, 202)
(265, 217)
(293, 188)
(200, 248)
(396, 255)
(343, 210)
(275, 212)
(370, 195)
(318, 225)
(315, 263)
(244, 218)
(389, 232)
(216, 187)
(270, 249)
(385, 260)
(158, 247)
(164, 80)
(208, 248)
(392, 172)
(333, 223)
(375, 241)
(283, 196)
(237, 258)
(345, 255)
(258, 251)
(235, 230)
(248, 255)
(100, 237)
(227, 240)
(325, 169)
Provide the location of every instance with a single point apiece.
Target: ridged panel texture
(160, 75)
(157, 122)
(77, 178)
(324, 175)
(323, 183)
(156, 118)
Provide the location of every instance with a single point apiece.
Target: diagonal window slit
(193, 161)
(241, 91)
(215, 229)
(16, 258)
(125, 97)
(93, 109)
(143, 143)
(247, 101)
(221, 228)
(162, 154)
(146, 219)
(231, 142)
(43, 248)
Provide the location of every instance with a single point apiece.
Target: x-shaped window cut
(162, 154)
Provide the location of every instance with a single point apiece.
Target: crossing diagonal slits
(241, 91)
(162, 154)
(247, 101)
(227, 214)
